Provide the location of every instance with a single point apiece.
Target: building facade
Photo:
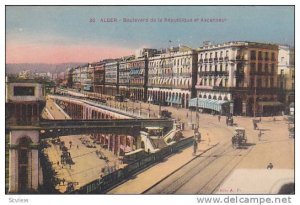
(170, 77)
(99, 77)
(124, 76)
(138, 70)
(243, 73)
(286, 74)
(112, 78)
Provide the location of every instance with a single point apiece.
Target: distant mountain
(40, 67)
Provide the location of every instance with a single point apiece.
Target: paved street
(87, 165)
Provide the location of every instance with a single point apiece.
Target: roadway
(210, 170)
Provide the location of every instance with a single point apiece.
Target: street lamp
(149, 110)
(140, 109)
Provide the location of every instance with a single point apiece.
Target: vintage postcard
(184, 100)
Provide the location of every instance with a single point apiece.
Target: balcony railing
(214, 73)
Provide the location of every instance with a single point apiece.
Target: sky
(63, 34)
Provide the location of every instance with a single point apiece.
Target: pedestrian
(195, 147)
(77, 146)
(270, 166)
(259, 135)
(69, 166)
(187, 114)
(63, 181)
(57, 163)
(219, 118)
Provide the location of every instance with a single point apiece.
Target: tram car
(239, 138)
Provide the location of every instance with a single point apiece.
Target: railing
(105, 183)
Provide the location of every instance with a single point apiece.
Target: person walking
(270, 166)
(259, 135)
(219, 118)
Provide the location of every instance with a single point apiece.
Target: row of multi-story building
(251, 77)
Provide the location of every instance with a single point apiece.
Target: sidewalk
(147, 178)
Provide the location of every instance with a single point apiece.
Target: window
(259, 67)
(266, 56)
(273, 56)
(272, 68)
(253, 55)
(266, 68)
(23, 91)
(221, 68)
(271, 82)
(259, 85)
(252, 67)
(259, 55)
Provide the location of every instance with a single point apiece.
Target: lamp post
(254, 106)
(197, 114)
(140, 112)
(149, 110)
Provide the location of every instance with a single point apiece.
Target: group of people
(101, 155)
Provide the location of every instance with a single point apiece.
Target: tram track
(216, 179)
(175, 181)
(179, 180)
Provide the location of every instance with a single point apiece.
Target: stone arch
(214, 97)
(209, 97)
(220, 98)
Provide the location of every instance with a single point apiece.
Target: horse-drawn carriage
(239, 138)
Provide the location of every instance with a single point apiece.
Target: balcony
(210, 60)
(226, 58)
(206, 60)
(239, 58)
(182, 75)
(203, 87)
(221, 59)
(215, 59)
(214, 73)
(201, 61)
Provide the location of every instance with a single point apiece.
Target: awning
(270, 103)
(168, 99)
(87, 87)
(150, 98)
(207, 103)
(177, 100)
(219, 80)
